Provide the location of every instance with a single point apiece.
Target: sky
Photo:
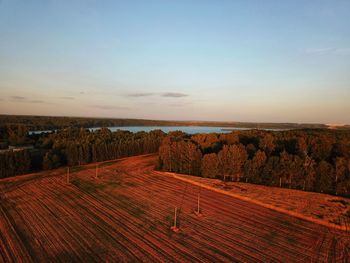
(257, 61)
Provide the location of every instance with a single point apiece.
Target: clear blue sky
(266, 61)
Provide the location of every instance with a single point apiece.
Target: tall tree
(210, 165)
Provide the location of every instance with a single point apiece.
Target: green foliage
(77, 146)
(14, 163)
(311, 160)
(17, 134)
(51, 160)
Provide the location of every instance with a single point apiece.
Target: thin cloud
(328, 50)
(174, 95)
(36, 101)
(109, 107)
(317, 50)
(165, 94)
(343, 51)
(67, 98)
(140, 94)
(26, 100)
(18, 98)
(179, 104)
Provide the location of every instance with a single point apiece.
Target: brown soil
(126, 215)
(323, 209)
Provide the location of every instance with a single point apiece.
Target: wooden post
(198, 211)
(96, 172)
(198, 204)
(280, 181)
(174, 227)
(170, 158)
(68, 175)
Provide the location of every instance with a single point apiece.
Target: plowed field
(126, 213)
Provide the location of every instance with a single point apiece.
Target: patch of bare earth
(331, 210)
(125, 214)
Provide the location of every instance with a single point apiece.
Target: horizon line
(169, 120)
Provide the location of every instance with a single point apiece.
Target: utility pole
(68, 175)
(174, 227)
(170, 157)
(175, 217)
(198, 203)
(198, 211)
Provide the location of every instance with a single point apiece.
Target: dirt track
(126, 214)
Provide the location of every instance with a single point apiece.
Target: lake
(166, 129)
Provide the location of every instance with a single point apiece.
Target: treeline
(74, 146)
(34, 123)
(310, 160)
(51, 123)
(14, 162)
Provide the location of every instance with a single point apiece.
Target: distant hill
(55, 122)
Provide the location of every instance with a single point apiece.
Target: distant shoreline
(36, 123)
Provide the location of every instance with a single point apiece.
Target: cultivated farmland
(125, 214)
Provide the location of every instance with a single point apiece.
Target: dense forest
(51, 123)
(310, 160)
(71, 146)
